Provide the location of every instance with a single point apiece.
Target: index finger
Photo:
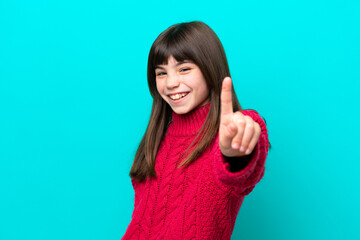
(226, 97)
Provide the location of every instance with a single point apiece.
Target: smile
(177, 96)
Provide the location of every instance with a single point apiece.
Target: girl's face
(181, 85)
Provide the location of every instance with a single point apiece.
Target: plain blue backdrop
(74, 104)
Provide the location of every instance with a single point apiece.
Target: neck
(189, 123)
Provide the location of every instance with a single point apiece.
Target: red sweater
(200, 200)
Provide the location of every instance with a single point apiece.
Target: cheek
(205, 93)
(205, 89)
(159, 86)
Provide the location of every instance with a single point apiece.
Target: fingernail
(247, 151)
(235, 145)
(242, 149)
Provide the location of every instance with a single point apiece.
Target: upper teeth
(177, 96)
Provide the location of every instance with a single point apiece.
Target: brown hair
(193, 41)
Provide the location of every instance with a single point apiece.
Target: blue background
(74, 104)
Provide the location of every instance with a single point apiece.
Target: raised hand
(238, 133)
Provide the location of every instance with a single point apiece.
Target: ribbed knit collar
(189, 123)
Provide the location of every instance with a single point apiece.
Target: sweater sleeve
(243, 173)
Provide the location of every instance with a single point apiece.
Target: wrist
(237, 163)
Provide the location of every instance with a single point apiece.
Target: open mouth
(178, 96)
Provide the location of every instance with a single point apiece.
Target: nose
(172, 81)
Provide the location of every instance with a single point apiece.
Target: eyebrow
(176, 65)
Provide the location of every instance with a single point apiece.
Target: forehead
(171, 61)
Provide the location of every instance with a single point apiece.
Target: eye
(160, 73)
(185, 69)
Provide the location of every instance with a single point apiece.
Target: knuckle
(250, 126)
(227, 133)
(238, 115)
(241, 121)
(248, 118)
(258, 131)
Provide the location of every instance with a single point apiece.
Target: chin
(182, 110)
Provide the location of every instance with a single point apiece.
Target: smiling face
(181, 85)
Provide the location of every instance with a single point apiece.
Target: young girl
(201, 153)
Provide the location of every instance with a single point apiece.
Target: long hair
(193, 41)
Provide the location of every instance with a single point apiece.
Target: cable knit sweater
(200, 200)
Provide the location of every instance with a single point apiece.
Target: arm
(244, 172)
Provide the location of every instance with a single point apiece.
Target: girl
(201, 153)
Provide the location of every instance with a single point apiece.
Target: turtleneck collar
(189, 123)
